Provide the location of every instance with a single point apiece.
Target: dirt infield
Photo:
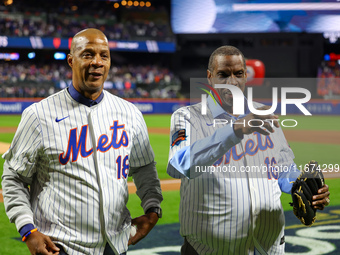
(313, 136)
(8, 129)
(166, 185)
(4, 147)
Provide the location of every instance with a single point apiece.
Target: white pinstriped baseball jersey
(236, 212)
(76, 159)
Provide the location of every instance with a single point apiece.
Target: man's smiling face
(227, 69)
(90, 61)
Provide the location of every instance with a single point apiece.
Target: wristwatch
(157, 210)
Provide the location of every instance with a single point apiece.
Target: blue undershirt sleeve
(287, 178)
(203, 152)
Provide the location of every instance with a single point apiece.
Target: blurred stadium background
(157, 46)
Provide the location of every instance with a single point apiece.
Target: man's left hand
(322, 199)
(309, 193)
(144, 225)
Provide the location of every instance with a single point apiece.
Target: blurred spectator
(329, 79)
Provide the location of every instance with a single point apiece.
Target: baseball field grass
(304, 151)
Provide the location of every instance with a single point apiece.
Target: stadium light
(8, 2)
(10, 56)
(59, 56)
(31, 55)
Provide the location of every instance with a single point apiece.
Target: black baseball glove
(304, 188)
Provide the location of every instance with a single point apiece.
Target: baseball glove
(304, 188)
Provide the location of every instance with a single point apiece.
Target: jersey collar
(218, 111)
(81, 99)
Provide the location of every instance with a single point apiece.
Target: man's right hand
(40, 244)
(252, 122)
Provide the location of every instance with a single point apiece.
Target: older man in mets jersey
(65, 174)
(236, 210)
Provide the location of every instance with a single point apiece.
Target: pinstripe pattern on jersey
(231, 213)
(81, 203)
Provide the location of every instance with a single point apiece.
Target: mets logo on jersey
(178, 137)
(77, 145)
(251, 148)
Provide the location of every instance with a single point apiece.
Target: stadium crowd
(48, 20)
(329, 79)
(25, 79)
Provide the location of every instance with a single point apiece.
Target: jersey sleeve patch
(178, 137)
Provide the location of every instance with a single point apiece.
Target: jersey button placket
(253, 194)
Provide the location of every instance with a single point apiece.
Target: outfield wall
(168, 106)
